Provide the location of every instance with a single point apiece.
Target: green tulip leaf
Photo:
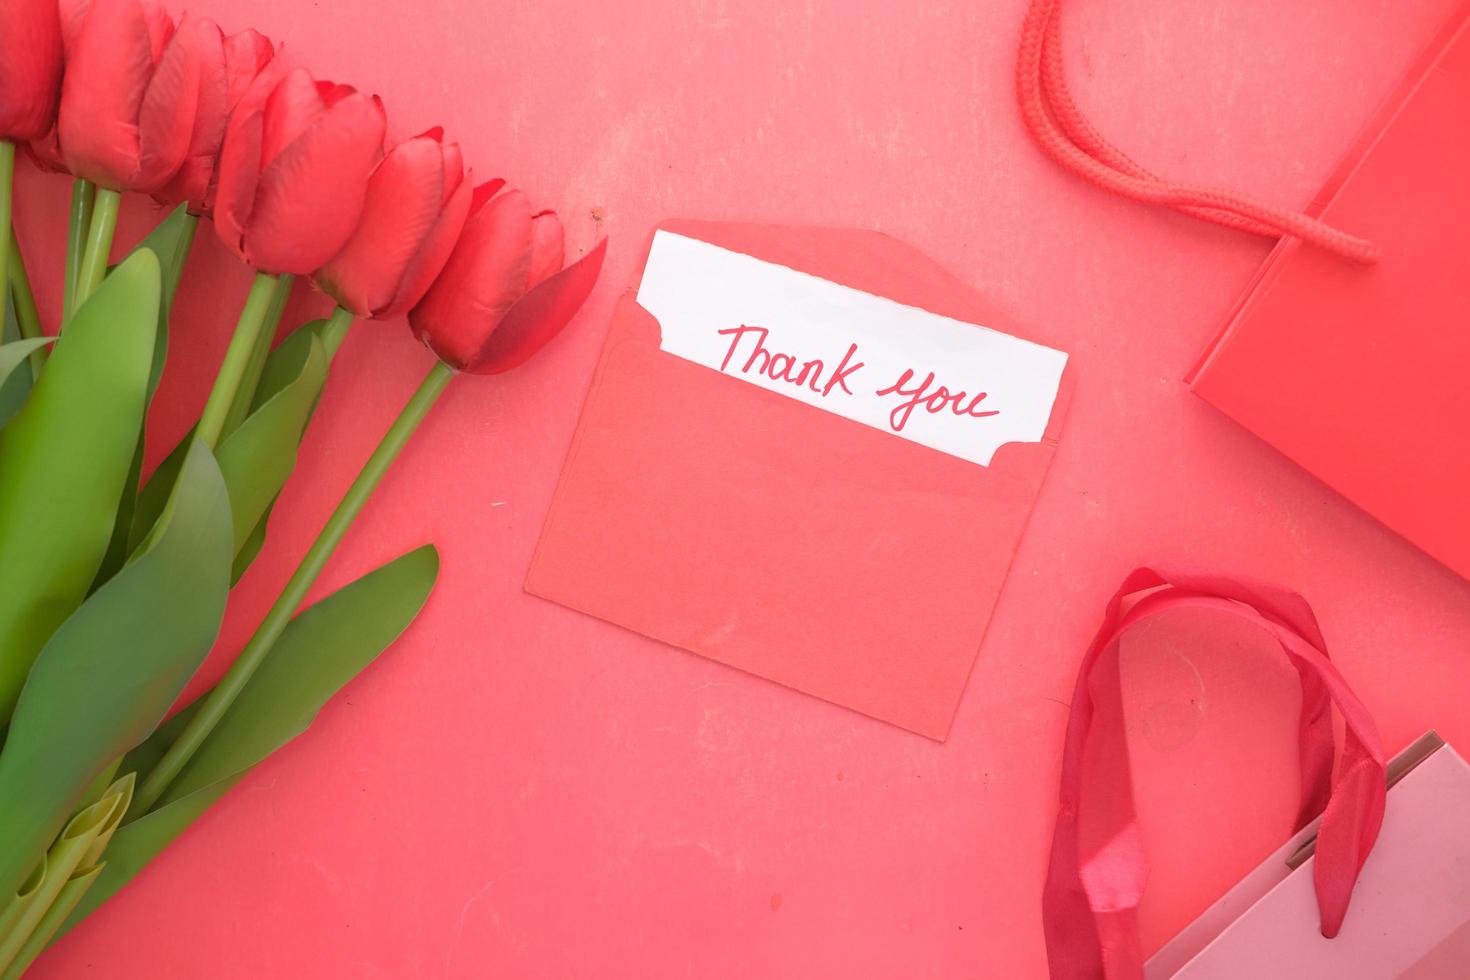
(64, 460)
(13, 354)
(251, 549)
(147, 753)
(114, 668)
(283, 366)
(258, 457)
(276, 376)
(321, 650)
(117, 543)
(171, 242)
(154, 495)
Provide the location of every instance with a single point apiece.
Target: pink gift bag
(1410, 909)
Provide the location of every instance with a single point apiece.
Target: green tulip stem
(7, 194)
(335, 331)
(233, 368)
(244, 399)
(12, 264)
(27, 317)
(82, 194)
(223, 694)
(99, 244)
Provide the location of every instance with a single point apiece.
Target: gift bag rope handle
(1090, 900)
(1058, 126)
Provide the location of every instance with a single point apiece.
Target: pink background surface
(516, 790)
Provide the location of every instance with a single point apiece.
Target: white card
(961, 388)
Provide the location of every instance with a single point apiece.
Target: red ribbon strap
(1058, 126)
(1090, 902)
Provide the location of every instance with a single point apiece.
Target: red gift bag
(1354, 369)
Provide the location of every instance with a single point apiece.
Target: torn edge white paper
(961, 388)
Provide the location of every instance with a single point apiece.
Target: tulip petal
(333, 92)
(106, 77)
(484, 193)
(311, 195)
(294, 106)
(403, 197)
(485, 275)
(30, 71)
(170, 105)
(454, 174)
(548, 248)
(246, 55)
(238, 175)
(191, 183)
(231, 196)
(432, 255)
(73, 13)
(540, 316)
(160, 27)
(45, 153)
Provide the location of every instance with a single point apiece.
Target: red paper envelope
(1359, 373)
(839, 557)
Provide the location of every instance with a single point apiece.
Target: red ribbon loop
(1058, 126)
(1090, 901)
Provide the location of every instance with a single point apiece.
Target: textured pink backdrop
(519, 791)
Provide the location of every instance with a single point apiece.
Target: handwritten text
(814, 375)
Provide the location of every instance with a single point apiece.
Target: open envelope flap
(788, 541)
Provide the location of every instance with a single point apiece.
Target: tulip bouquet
(112, 587)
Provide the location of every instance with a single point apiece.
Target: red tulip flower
(129, 96)
(228, 67)
(294, 170)
(30, 68)
(45, 148)
(45, 152)
(503, 293)
(417, 202)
